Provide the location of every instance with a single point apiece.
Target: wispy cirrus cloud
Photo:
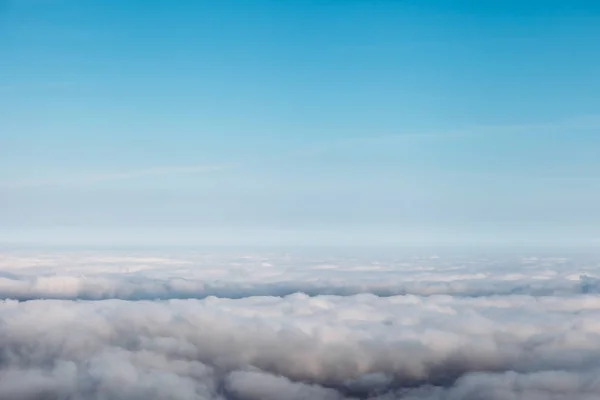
(14, 88)
(566, 125)
(130, 174)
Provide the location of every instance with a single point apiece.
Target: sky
(299, 122)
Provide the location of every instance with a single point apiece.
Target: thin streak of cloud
(569, 124)
(37, 86)
(361, 141)
(92, 178)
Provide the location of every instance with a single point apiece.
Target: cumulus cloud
(96, 276)
(461, 343)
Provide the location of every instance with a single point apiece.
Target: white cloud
(147, 276)
(566, 126)
(91, 178)
(501, 328)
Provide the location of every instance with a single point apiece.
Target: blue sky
(313, 122)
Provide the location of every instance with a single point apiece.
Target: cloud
(37, 86)
(453, 346)
(91, 178)
(298, 347)
(564, 126)
(73, 276)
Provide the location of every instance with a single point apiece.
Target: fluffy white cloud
(490, 335)
(134, 277)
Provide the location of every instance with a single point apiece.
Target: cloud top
(89, 276)
(418, 346)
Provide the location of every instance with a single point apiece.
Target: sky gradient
(300, 122)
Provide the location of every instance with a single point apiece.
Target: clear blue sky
(336, 121)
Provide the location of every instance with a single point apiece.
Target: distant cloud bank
(79, 276)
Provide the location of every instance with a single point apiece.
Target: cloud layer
(474, 337)
(97, 276)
